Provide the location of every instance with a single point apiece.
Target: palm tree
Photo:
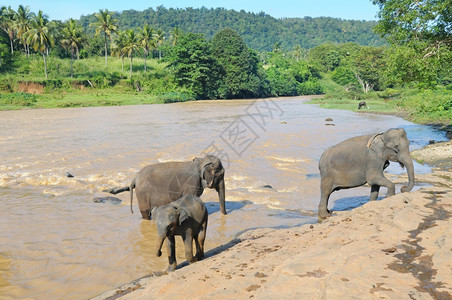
(7, 16)
(130, 45)
(118, 46)
(175, 35)
(146, 41)
(23, 25)
(159, 37)
(106, 24)
(73, 39)
(40, 37)
(297, 52)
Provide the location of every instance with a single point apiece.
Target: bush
(310, 87)
(172, 97)
(20, 99)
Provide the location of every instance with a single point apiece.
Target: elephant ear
(183, 215)
(376, 144)
(207, 174)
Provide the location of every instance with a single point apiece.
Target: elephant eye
(396, 149)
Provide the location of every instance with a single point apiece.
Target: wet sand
(396, 248)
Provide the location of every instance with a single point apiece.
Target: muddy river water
(56, 242)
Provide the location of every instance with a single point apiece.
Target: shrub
(21, 99)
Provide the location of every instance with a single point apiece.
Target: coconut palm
(39, 36)
(73, 39)
(118, 45)
(23, 25)
(130, 45)
(159, 38)
(175, 35)
(106, 24)
(146, 41)
(7, 16)
(297, 52)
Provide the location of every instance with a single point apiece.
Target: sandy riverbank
(396, 248)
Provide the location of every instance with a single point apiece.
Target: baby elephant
(186, 217)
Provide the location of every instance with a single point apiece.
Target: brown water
(55, 242)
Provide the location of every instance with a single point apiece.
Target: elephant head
(393, 145)
(167, 219)
(212, 176)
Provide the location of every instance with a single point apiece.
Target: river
(56, 242)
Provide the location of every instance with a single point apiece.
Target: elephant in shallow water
(162, 183)
(186, 217)
(361, 160)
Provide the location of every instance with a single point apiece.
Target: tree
(119, 46)
(174, 35)
(421, 36)
(106, 24)
(23, 25)
(407, 21)
(146, 41)
(40, 37)
(194, 66)
(327, 56)
(130, 45)
(159, 38)
(73, 39)
(240, 78)
(7, 17)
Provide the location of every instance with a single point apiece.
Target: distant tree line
(259, 31)
(256, 55)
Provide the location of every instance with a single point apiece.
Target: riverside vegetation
(103, 59)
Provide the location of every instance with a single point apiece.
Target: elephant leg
(171, 248)
(374, 192)
(146, 214)
(199, 241)
(383, 181)
(325, 192)
(188, 241)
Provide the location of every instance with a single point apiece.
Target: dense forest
(259, 31)
(168, 55)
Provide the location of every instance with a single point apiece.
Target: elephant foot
(199, 256)
(324, 214)
(145, 214)
(171, 267)
(389, 195)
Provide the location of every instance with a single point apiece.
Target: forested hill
(260, 31)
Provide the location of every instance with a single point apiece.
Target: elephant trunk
(408, 162)
(222, 195)
(159, 245)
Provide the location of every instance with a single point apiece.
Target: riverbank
(396, 248)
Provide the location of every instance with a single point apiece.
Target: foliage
(412, 21)
(426, 105)
(240, 77)
(18, 99)
(287, 77)
(260, 31)
(194, 66)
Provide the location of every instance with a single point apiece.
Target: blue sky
(349, 10)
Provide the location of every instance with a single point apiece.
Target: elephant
(162, 183)
(361, 160)
(186, 217)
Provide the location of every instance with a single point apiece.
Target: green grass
(417, 105)
(92, 84)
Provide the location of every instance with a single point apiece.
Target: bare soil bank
(396, 248)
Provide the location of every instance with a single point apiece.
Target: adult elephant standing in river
(162, 183)
(361, 160)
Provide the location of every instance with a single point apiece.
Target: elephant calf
(361, 160)
(186, 217)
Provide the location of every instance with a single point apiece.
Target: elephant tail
(131, 187)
